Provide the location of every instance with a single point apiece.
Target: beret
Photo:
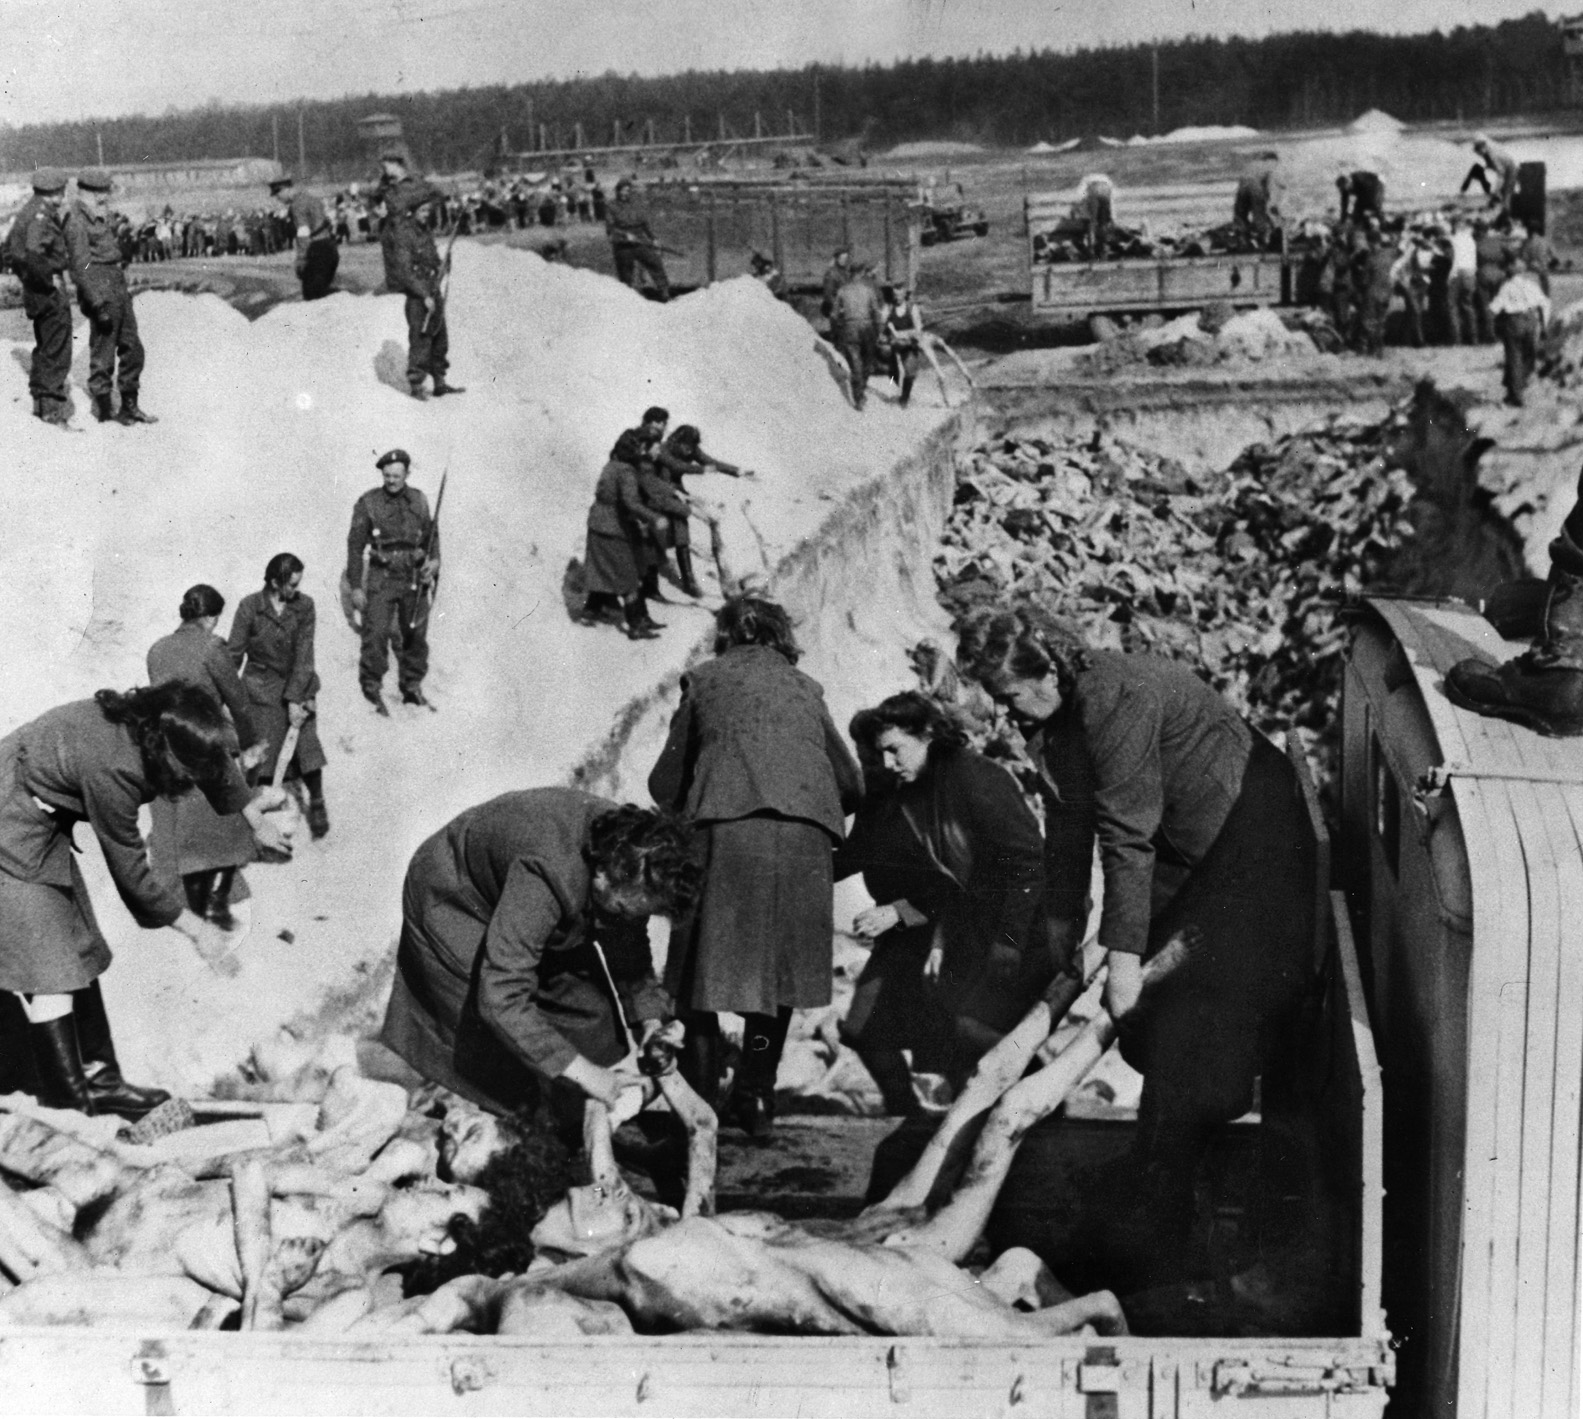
(396, 455)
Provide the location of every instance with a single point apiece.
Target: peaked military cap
(93, 180)
(49, 180)
(277, 184)
(396, 455)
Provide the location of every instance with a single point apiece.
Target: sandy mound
(267, 433)
(1376, 120)
(1206, 133)
(934, 148)
(1418, 171)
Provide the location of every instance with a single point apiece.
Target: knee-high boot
(111, 1094)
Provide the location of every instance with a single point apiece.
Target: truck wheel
(925, 238)
(981, 229)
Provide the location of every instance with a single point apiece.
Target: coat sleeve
(241, 634)
(39, 250)
(671, 776)
(1069, 830)
(228, 686)
(111, 805)
(848, 776)
(357, 538)
(630, 495)
(77, 252)
(300, 683)
(1129, 802)
(508, 977)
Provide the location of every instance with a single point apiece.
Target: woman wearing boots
(754, 760)
(953, 858)
(97, 761)
(203, 847)
(271, 643)
(621, 530)
(678, 456)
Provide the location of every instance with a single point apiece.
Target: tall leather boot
(753, 1095)
(197, 886)
(684, 567)
(110, 1093)
(640, 625)
(57, 1065)
(103, 408)
(1543, 687)
(131, 414)
(702, 1058)
(218, 908)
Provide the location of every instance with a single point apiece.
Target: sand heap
(1376, 120)
(268, 431)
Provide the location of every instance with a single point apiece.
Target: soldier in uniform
(393, 525)
(836, 275)
(37, 252)
(317, 256)
(632, 240)
(1256, 208)
(413, 267)
(854, 329)
(97, 269)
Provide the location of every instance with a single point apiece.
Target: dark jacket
(412, 261)
(619, 508)
(752, 735)
(857, 308)
(277, 648)
(958, 849)
(500, 897)
(677, 459)
(308, 220)
(85, 768)
(394, 530)
(193, 655)
(1148, 758)
(627, 222)
(94, 255)
(38, 247)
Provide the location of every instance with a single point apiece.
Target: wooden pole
(816, 133)
(777, 247)
(98, 139)
(887, 238)
(544, 140)
(302, 148)
(758, 124)
(274, 129)
(1155, 57)
(722, 116)
(709, 259)
(791, 125)
(650, 127)
(577, 134)
(687, 128)
(531, 129)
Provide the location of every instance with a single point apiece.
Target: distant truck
(1077, 289)
(951, 221)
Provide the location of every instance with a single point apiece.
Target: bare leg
(927, 346)
(250, 1219)
(702, 1127)
(955, 1228)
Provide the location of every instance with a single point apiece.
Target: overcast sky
(69, 59)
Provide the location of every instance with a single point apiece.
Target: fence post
(777, 250)
(846, 223)
(709, 266)
(888, 276)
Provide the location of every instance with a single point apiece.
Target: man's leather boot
(131, 414)
(110, 1093)
(103, 408)
(684, 568)
(1543, 687)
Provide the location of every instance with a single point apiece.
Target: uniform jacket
(37, 234)
(308, 220)
(1149, 758)
(412, 261)
(619, 508)
(857, 307)
(959, 848)
(393, 529)
(94, 255)
(627, 222)
(87, 769)
(193, 655)
(503, 892)
(834, 278)
(752, 735)
(278, 649)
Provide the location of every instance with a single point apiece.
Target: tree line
(1289, 80)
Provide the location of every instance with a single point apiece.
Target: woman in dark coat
(190, 839)
(754, 760)
(622, 533)
(519, 919)
(680, 455)
(1203, 838)
(271, 643)
(952, 856)
(98, 761)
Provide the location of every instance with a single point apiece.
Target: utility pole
(721, 114)
(687, 128)
(1156, 67)
(98, 139)
(274, 132)
(758, 125)
(302, 148)
(531, 129)
(816, 132)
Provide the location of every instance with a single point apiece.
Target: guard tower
(380, 133)
(1572, 47)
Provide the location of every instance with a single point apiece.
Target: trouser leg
(51, 349)
(439, 345)
(649, 260)
(626, 266)
(418, 342)
(318, 273)
(411, 638)
(129, 350)
(101, 356)
(701, 1061)
(383, 605)
(763, 1039)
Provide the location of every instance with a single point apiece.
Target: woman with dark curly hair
(1202, 834)
(98, 761)
(754, 761)
(952, 856)
(524, 958)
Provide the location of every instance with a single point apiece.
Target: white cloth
(1521, 293)
(1464, 253)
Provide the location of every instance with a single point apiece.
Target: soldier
(854, 329)
(393, 525)
(836, 275)
(96, 267)
(413, 267)
(632, 241)
(1362, 194)
(1496, 171)
(1256, 208)
(37, 252)
(317, 257)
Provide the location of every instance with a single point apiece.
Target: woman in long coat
(98, 761)
(271, 643)
(202, 847)
(622, 533)
(518, 920)
(1203, 840)
(754, 760)
(953, 858)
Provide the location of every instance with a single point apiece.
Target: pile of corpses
(348, 1210)
(1070, 241)
(1243, 574)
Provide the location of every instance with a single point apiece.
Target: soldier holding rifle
(632, 241)
(414, 268)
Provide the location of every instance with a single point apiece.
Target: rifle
(445, 277)
(427, 594)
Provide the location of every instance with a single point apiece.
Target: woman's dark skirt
(761, 937)
(613, 565)
(50, 943)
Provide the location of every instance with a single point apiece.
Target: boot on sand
(131, 414)
(57, 1064)
(103, 409)
(1543, 687)
(110, 1093)
(684, 568)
